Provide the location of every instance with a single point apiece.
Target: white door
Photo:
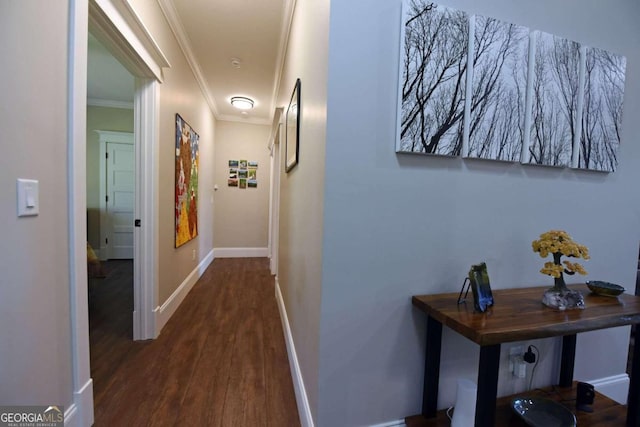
(120, 183)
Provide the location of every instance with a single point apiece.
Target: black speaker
(584, 397)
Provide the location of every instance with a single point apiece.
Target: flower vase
(560, 297)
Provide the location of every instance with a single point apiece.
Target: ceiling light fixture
(242, 102)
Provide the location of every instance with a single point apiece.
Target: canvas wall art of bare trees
(499, 83)
(433, 79)
(533, 97)
(555, 100)
(602, 110)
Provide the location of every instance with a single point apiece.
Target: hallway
(221, 360)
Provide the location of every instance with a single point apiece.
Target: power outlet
(193, 255)
(519, 367)
(515, 358)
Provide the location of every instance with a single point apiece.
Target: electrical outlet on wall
(515, 352)
(520, 368)
(193, 255)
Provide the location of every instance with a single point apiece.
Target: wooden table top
(519, 315)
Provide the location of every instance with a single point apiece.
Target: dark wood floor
(220, 361)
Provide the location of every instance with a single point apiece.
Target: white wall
(399, 225)
(302, 189)
(241, 217)
(35, 354)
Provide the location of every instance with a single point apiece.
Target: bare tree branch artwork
(499, 82)
(602, 110)
(555, 100)
(433, 79)
(533, 97)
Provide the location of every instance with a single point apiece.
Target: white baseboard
(304, 410)
(397, 423)
(615, 387)
(71, 417)
(80, 413)
(164, 312)
(241, 252)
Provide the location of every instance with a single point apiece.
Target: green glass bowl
(605, 288)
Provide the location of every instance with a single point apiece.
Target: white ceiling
(212, 33)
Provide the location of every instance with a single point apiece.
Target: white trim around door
(83, 13)
(80, 412)
(117, 26)
(146, 122)
(274, 191)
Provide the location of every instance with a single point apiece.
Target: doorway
(111, 168)
(111, 193)
(115, 26)
(110, 21)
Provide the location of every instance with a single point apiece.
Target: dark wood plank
(220, 361)
(606, 412)
(246, 376)
(518, 315)
(279, 411)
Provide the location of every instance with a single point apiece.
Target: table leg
(568, 360)
(432, 368)
(487, 385)
(633, 401)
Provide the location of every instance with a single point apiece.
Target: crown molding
(248, 120)
(98, 102)
(117, 25)
(290, 6)
(171, 14)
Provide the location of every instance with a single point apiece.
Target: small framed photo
(292, 127)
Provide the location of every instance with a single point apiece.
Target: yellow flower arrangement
(559, 243)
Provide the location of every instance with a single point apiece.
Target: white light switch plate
(28, 197)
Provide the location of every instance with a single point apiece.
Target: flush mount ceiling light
(242, 103)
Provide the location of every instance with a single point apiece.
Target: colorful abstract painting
(186, 208)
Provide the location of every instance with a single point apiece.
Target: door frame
(117, 26)
(274, 191)
(124, 34)
(107, 136)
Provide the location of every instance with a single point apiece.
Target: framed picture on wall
(292, 126)
(186, 181)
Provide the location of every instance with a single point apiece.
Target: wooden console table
(518, 315)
